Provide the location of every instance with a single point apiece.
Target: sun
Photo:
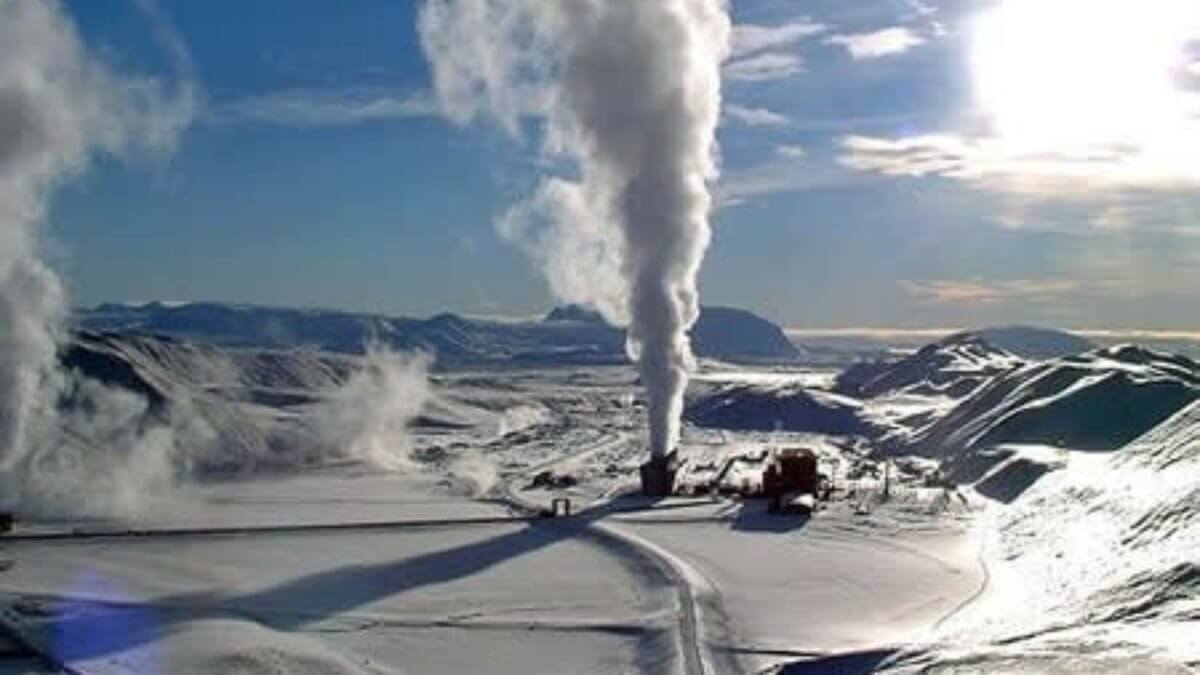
(1083, 76)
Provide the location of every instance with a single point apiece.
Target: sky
(884, 163)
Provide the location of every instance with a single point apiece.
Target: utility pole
(887, 483)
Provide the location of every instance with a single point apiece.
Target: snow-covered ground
(438, 569)
(499, 597)
(1092, 569)
(1047, 558)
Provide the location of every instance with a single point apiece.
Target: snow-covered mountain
(770, 407)
(565, 335)
(953, 367)
(1094, 401)
(956, 364)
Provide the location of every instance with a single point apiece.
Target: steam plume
(367, 418)
(58, 107)
(629, 93)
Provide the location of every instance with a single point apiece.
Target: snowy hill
(1094, 568)
(566, 335)
(228, 409)
(770, 407)
(242, 410)
(953, 367)
(1095, 401)
(139, 361)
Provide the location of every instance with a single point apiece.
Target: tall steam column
(630, 95)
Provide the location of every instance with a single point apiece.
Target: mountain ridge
(567, 335)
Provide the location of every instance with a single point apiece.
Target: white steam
(101, 454)
(367, 418)
(628, 92)
(60, 106)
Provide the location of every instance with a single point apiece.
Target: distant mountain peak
(574, 312)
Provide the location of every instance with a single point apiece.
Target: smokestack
(630, 93)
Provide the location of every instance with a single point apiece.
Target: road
(689, 584)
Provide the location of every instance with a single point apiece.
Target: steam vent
(658, 475)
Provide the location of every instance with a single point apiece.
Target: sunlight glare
(1084, 76)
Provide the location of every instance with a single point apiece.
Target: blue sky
(868, 179)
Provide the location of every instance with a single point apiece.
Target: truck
(791, 481)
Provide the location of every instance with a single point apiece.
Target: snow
(1093, 568)
(336, 601)
(766, 407)
(628, 586)
(1051, 557)
(1096, 401)
(953, 367)
(821, 586)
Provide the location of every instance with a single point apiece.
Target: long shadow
(753, 517)
(338, 590)
(847, 663)
(97, 632)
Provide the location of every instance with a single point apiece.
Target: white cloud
(976, 291)
(321, 107)
(750, 39)
(792, 151)
(755, 117)
(922, 8)
(756, 54)
(877, 44)
(765, 66)
(788, 170)
(991, 162)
